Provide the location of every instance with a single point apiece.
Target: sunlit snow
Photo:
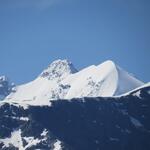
(62, 81)
(57, 145)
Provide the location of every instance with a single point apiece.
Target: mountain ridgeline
(99, 107)
(62, 81)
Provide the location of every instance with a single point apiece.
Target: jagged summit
(58, 69)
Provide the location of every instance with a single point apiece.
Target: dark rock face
(82, 124)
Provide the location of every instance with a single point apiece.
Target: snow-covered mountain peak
(58, 69)
(108, 66)
(62, 81)
(108, 63)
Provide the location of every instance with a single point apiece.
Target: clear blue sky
(35, 32)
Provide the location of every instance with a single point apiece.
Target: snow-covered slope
(62, 81)
(46, 86)
(136, 91)
(106, 79)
